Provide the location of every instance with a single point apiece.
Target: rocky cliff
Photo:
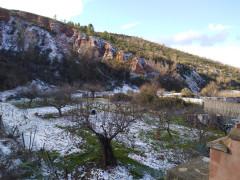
(22, 32)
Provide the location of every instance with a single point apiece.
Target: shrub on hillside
(138, 81)
(210, 90)
(169, 102)
(120, 97)
(187, 93)
(147, 95)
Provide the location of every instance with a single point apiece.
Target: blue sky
(209, 28)
(156, 18)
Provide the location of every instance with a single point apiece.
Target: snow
(161, 159)
(49, 42)
(150, 160)
(9, 40)
(42, 86)
(121, 89)
(4, 149)
(4, 95)
(193, 100)
(47, 136)
(171, 94)
(185, 132)
(117, 173)
(193, 80)
(50, 136)
(31, 34)
(206, 159)
(125, 89)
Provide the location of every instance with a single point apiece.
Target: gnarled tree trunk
(59, 112)
(108, 155)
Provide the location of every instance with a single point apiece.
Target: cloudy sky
(206, 28)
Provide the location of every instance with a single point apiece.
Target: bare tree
(30, 93)
(59, 98)
(93, 88)
(110, 120)
(163, 122)
(201, 126)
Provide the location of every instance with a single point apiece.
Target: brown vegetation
(121, 97)
(210, 90)
(186, 93)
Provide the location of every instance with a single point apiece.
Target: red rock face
(120, 56)
(137, 67)
(4, 15)
(87, 47)
(68, 31)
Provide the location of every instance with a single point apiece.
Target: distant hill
(226, 76)
(36, 47)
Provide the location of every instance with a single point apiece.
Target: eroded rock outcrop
(25, 32)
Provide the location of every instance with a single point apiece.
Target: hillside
(36, 47)
(226, 76)
(81, 104)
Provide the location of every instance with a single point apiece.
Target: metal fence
(223, 108)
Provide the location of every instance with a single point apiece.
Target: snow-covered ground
(48, 133)
(51, 137)
(41, 86)
(125, 89)
(121, 89)
(4, 148)
(44, 133)
(117, 173)
(161, 159)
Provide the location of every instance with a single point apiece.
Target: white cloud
(186, 36)
(63, 9)
(218, 27)
(213, 42)
(214, 34)
(227, 54)
(129, 25)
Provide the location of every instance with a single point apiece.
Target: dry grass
(229, 93)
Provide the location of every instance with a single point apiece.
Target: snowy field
(50, 134)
